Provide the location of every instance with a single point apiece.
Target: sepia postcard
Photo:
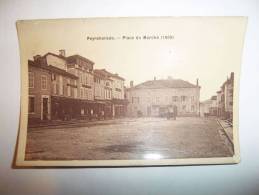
(133, 91)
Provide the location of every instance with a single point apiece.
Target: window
(63, 89)
(75, 92)
(85, 79)
(192, 98)
(184, 107)
(192, 108)
(53, 77)
(68, 88)
(81, 92)
(54, 88)
(183, 98)
(43, 82)
(31, 79)
(175, 98)
(57, 88)
(85, 93)
(31, 104)
(61, 85)
(80, 78)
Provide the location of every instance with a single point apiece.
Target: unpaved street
(186, 137)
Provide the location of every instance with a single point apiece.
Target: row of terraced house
(68, 87)
(221, 105)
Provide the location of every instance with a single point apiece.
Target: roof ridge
(78, 55)
(166, 83)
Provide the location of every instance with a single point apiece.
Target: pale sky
(208, 48)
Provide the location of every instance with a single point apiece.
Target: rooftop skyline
(208, 49)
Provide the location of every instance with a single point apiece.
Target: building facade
(221, 105)
(153, 98)
(114, 93)
(225, 98)
(63, 95)
(209, 107)
(65, 88)
(39, 104)
(83, 69)
(60, 88)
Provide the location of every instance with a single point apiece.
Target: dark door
(45, 108)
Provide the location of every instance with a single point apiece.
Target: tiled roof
(59, 56)
(99, 73)
(52, 69)
(108, 74)
(62, 72)
(80, 57)
(168, 83)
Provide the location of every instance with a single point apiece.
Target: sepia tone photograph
(129, 91)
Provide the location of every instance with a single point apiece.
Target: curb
(229, 139)
(64, 123)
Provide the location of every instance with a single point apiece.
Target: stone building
(102, 93)
(99, 85)
(154, 97)
(220, 103)
(209, 107)
(64, 103)
(83, 69)
(225, 98)
(49, 89)
(39, 107)
(229, 93)
(63, 88)
(114, 93)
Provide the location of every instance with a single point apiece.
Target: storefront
(63, 108)
(119, 108)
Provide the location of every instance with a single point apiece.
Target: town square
(139, 138)
(78, 112)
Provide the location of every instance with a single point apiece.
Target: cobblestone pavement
(143, 138)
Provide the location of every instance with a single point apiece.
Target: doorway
(45, 107)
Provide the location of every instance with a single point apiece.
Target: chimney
(197, 82)
(169, 78)
(232, 76)
(131, 84)
(62, 52)
(154, 78)
(36, 58)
